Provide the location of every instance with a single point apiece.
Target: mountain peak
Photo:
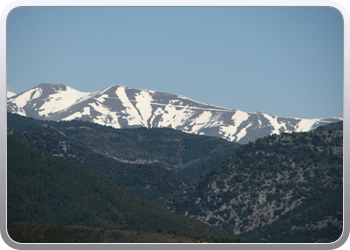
(10, 94)
(126, 107)
(58, 86)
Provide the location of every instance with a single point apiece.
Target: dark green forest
(187, 154)
(44, 188)
(148, 181)
(286, 188)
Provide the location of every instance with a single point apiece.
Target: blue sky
(285, 61)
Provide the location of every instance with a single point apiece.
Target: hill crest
(124, 107)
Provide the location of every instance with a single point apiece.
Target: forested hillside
(281, 188)
(49, 189)
(146, 180)
(187, 154)
(39, 232)
(286, 188)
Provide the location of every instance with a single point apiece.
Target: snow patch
(102, 98)
(22, 99)
(178, 113)
(174, 117)
(275, 124)
(201, 121)
(10, 94)
(86, 111)
(305, 125)
(61, 100)
(228, 132)
(37, 93)
(143, 104)
(133, 116)
(107, 117)
(238, 117)
(243, 132)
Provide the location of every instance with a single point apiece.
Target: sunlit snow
(143, 104)
(305, 125)
(174, 117)
(86, 111)
(228, 132)
(142, 110)
(243, 132)
(133, 117)
(107, 117)
(10, 94)
(61, 100)
(22, 99)
(276, 125)
(238, 117)
(37, 93)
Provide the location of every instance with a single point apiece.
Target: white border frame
(226, 3)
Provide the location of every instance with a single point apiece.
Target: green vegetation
(312, 221)
(285, 188)
(148, 181)
(187, 154)
(35, 232)
(49, 189)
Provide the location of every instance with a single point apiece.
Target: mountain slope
(124, 107)
(285, 188)
(48, 189)
(34, 232)
(187, 154)
(331, 126)
(148, 181)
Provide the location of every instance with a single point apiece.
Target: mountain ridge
(189, 155)
(125, 107)
(282, 188)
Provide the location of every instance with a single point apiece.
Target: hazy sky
(285, 61)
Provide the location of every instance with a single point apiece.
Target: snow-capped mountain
(124, 107)
(10, 94)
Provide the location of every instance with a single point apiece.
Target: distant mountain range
(124, 107)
